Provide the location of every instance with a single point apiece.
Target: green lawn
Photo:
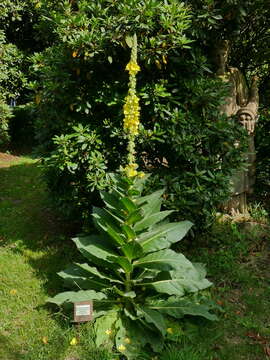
(34, 245)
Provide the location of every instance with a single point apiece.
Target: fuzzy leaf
(162, 236)
(134, 217)
(164, 260)
(178, 309)
(128, 231)
(146, 222)
(154, 317)
(132, 250)
(74, 275)
(151, 203)
(123, 262)
(104, 328)
(128, 204)
(96, 249)
(73, 296)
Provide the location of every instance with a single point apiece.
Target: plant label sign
(83, 311)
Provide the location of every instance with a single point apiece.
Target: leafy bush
(11, 82)
(75, 170)
(135, 280)
(262, 144)
(184, 141)
(5, 115)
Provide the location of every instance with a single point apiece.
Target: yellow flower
(73, 341)
(127, 340)
(45, 340)
(132, 67)
(13, 292)
(74, 54)
(132, 113)
(170, 331)
(108, 332)
(141, 174)
(130, 170)
(121, 347)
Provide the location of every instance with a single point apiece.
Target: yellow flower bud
(121, 347)
(170, 331)
(73, 341)
(127, 340)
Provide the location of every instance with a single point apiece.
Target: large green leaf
(107, 224)
(179, 308)
(128, 231)
(192, 278)
(138, 333)
(162, 236)
(76, 276)
(101, 216)
(104, 328)
(148, 221)
(128, 204)
(111, 201)
(151, 203)
(179, 282)
(153, 317)
(75, 296)
(96, 249)
(123, 262)
(134, 217)
(132, 250)
(92, 271)
(163, 260)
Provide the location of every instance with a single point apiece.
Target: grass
(33, 248)
(35, 245)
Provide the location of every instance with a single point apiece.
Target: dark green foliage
(183, 140)
(21, 127)
(262, 143)
(137, 283)
(76, 170)
(12, 81)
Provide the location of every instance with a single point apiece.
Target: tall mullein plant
(137, 283)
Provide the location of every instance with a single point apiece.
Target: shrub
(5, 115)
(11, 83)
(183, 140)
(262, 143)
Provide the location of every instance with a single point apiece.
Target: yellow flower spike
(74, 341)
(170, 331)
(127, 340)
(121, 347)
(108, 332)
(132, 67)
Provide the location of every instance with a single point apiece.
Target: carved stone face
(221, 58)
(245, 117)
